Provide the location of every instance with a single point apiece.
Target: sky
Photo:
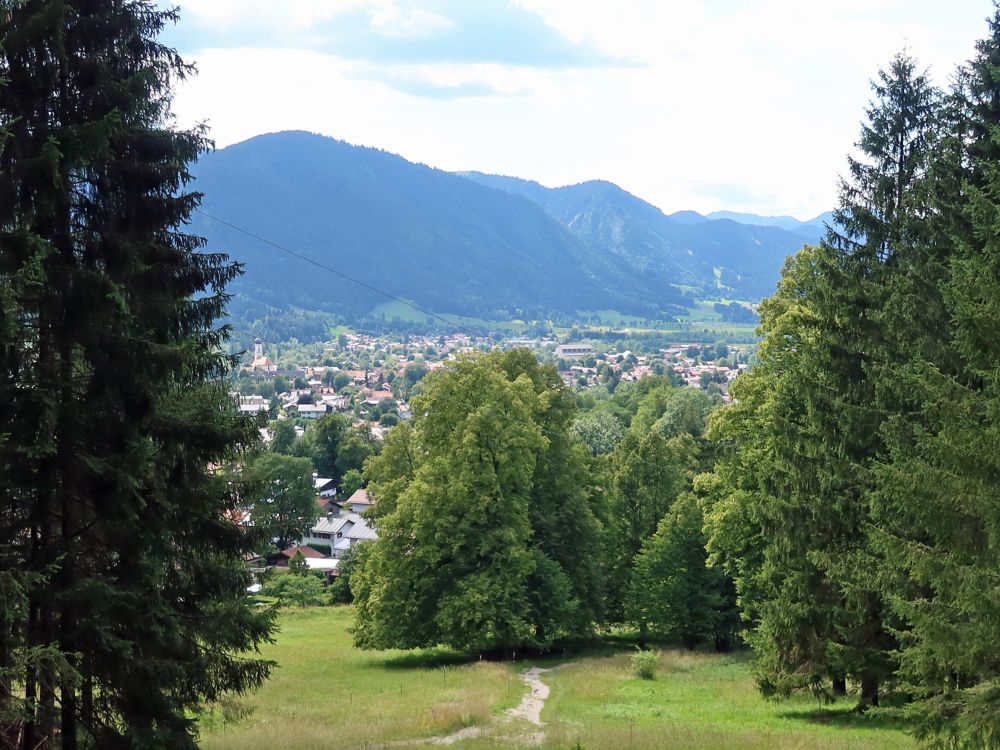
(744, 105)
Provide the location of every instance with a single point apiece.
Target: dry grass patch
(325, 693)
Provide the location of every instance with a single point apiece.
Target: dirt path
(529, 710)
(532, 704)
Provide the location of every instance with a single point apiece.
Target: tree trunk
(869, 693)
(839, 686)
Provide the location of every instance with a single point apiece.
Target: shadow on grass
(606, 646)
(430, 658)
(849, 718)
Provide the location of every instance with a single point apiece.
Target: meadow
(325, 693)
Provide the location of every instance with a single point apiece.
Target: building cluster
(696, 365)
(340, 527)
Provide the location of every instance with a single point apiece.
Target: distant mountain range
(467, 243)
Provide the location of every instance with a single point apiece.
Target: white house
(359, 502)
(312, 411)
(324, 487)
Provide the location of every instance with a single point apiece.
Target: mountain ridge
(470, 244)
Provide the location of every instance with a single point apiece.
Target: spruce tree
(127, 609)
(816, 415)
(936, 513)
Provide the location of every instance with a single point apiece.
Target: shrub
(645, 664)
(303, 590)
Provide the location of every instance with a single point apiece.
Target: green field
(324, 693)
(390, 311)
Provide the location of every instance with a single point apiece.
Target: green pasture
(325, 693)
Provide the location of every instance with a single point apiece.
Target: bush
(303, 590)
(645, 664)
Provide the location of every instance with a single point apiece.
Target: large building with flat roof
(574, 351)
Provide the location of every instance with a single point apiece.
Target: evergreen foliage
(936, 513)
(807, 428)
(122, 583)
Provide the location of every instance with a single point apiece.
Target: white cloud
(284, 14)
(745, 106)
(393, 21)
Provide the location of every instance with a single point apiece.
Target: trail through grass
(326, 694)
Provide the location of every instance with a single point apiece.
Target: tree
(473, 520)
(284, 506)
(283, 437)
(340, 589)
(685, 412)
(357, 447)
(935, 511)
(297, 565)
(327, 438)
(807, 427)
(303, 590)
(600, 431)
(673, 592)
(414, 372)
(113, 399)
(648, 476)
(352, 481)
(281, 384)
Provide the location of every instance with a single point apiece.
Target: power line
(331, 269)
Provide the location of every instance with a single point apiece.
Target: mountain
(813, 228)
(429, 236)
(718, 258)
(470, 244)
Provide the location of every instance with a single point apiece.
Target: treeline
(507, 520)
(855, 502)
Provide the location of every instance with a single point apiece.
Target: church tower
(258, 348)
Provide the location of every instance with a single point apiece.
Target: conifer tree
(822, 613)
(936, 512)
(129, 609)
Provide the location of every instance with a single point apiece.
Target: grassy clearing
(392, 310)
(325, 693)
(697, 701)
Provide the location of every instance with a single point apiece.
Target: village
(369, 381)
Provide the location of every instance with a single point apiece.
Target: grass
(392, 310)
(325, 693)
(697, 701)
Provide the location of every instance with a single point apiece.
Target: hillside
(718, 257)
(471, 244)
(422, 234)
